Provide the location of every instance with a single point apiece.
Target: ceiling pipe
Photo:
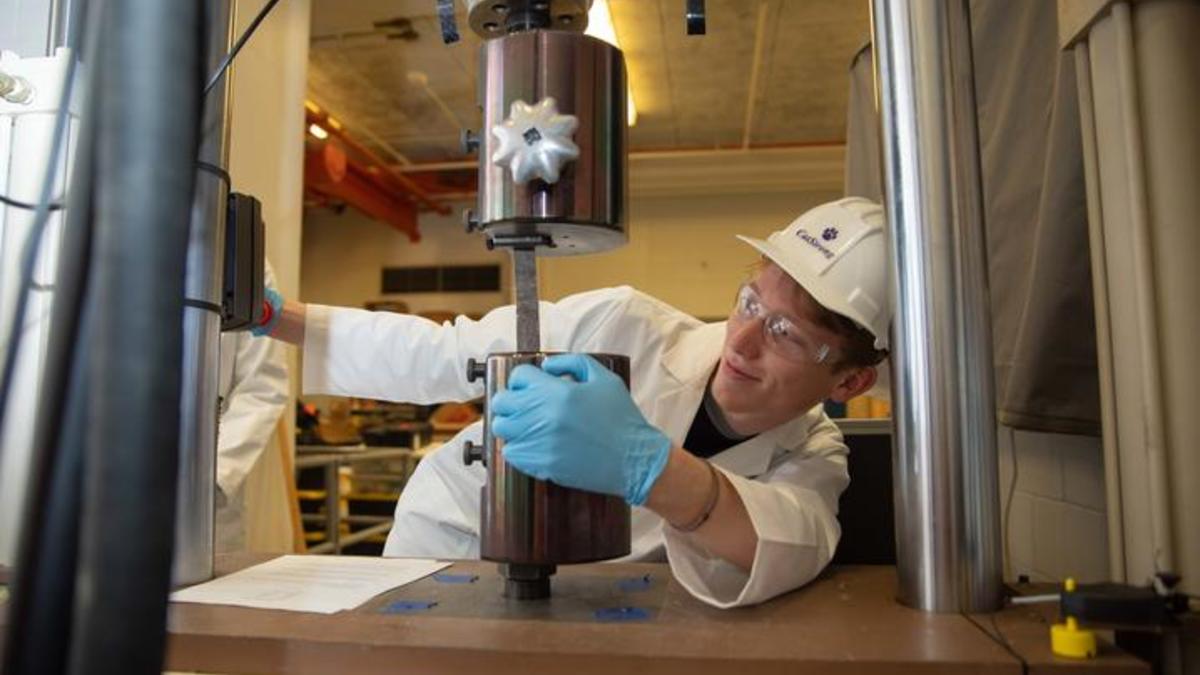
(360, 129)
(388, 148)
(419, 79)
(755, 68)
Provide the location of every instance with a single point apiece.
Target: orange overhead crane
(339, 169)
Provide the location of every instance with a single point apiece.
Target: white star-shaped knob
(535, 141)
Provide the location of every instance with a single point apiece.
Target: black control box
(245, 243)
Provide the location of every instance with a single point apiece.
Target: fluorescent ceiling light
(318, 131)
(600, 26)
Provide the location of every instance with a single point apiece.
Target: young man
(721, 445)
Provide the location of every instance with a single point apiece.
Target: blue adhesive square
(455, 578)
(634, 584)
(409, 607)
(621, 614)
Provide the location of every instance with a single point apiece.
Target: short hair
(858, 343)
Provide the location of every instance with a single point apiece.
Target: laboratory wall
(267, 147)
(1058, 520)
(682, 249)
(344, 255)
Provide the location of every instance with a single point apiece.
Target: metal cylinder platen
(552, 161)
(530, 526)
(552, 181)
(493, 18)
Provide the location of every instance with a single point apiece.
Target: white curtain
(1035, 212)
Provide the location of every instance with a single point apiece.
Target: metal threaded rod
(526, 582)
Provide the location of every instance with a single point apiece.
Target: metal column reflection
(194, 520)
(947, 498)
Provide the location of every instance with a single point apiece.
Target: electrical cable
(44, 588)
(1008, 502)
(58, 206)
(999, 639)
(214, 169)
(205, 305)
(237, 46)
(18, 204)
(218, 172)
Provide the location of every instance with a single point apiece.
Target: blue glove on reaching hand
(587, 434)
(273, 302)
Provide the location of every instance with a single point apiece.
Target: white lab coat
(789, 477)
(253, 387)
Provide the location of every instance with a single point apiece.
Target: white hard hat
(838, 253)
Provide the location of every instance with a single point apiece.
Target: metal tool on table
(1139, 616)
(552, 181)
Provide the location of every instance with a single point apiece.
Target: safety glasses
(791, 340)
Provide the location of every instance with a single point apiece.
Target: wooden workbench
(619, 618)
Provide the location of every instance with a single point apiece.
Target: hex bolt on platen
(472, 453)
(476, 370)
(469, 140)
(470, 221)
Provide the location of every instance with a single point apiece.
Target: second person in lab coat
(721, 446)
(253, 390)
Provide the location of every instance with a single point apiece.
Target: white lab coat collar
(691, 362)
(694, 355)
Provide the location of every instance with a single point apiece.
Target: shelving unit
(332, 459)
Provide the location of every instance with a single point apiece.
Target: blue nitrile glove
(274, 309)
(586, 434)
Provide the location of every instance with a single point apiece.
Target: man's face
(760, 383)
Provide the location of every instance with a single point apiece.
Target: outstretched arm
(290, 326)
(690, 492)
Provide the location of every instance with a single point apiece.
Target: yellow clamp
(1068, 639)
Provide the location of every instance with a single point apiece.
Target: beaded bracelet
(713, 495)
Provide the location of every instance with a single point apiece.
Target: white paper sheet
(310, 583)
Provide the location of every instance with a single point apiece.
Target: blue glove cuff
(275, 301)
(650, 466)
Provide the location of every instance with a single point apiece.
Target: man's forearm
(680, 495)
(290, 327)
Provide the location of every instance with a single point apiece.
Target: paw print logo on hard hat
(829, 234)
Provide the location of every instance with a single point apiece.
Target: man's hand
(586, 434)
